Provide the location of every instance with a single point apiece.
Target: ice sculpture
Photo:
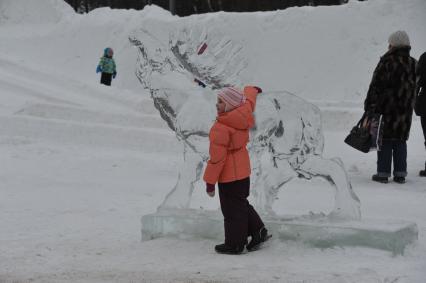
(287, 141)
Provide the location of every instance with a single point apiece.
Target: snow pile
(34, 12)
(81, 162)
(313, 52)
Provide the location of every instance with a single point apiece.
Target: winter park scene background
(81, 163)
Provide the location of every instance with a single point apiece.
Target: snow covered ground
(81, 163)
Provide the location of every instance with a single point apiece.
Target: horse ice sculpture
(287, 141)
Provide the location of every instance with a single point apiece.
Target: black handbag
(360, 137)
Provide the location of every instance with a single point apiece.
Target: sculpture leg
(347, 204)
(269, 176)
(189, 173)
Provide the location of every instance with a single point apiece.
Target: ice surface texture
(311, 230)
(287, 141)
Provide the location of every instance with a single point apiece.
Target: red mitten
(259, 90)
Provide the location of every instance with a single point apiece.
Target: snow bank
(33, 12)
(322, 53)
(81, 162)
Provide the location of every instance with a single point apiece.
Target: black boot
(422, 173)
(230, 250)
(258, 239)
(379, 179)
(399, 180)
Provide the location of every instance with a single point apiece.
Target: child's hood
(240, 118)
(108, 52)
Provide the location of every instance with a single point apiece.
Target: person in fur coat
(392, 94)
(421, 98)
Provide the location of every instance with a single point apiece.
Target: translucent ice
(312, 230)
(287, 141)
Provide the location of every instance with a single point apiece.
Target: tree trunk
(86, 6)
(172, 7)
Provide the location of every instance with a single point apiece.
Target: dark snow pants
(241, 220)
(106, 79)
(396, 150)
(423, 121)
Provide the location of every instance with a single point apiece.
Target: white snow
(81, 163)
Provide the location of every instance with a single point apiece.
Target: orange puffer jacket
(229, 159)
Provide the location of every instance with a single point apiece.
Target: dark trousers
(396, 150)
(106, 78)
(423, 121)
(241, 220)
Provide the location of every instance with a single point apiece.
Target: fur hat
(232, 97)
(399, 38)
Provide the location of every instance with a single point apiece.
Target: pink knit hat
(232, 97)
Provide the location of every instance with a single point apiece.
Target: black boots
(384, 180)
(379, 179)
(230, 250)
(255, 243)
(422, 173)
(399, 180)
(258, 239)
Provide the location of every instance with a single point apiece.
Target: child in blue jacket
(107, 67)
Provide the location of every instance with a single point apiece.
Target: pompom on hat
(398, 39)
(232, 97)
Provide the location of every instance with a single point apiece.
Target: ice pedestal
(314, 230)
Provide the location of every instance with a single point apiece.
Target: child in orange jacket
(229, 166)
